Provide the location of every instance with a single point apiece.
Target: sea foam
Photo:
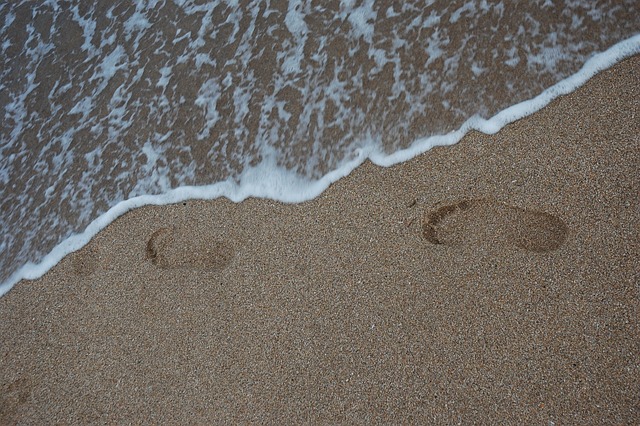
(110, 109)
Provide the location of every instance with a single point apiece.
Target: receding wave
(106, 101)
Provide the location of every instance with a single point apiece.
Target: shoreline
(491, 280)
(252, 187)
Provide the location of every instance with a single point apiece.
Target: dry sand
(495, 281)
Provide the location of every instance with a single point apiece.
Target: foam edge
(286, 186)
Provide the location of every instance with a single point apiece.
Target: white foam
(492, 125)
(208, 99)
(432, 20)
(467, 8)
(138, 22)
(362, 19)
(313, 106)
(268, 180)
(88, 29)
(295, 20)
(165, 77)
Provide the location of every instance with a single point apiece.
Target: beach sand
(494, 281)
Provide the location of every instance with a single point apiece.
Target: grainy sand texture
(492, 282)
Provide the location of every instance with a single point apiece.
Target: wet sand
(494, 281)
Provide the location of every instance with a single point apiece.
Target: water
(113, 105)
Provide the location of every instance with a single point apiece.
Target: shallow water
(106, 102)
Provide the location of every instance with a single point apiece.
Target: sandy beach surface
(492, 282)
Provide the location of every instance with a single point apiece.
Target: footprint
(488, 221)
(171, 248)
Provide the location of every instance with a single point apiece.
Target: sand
(494, 281)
